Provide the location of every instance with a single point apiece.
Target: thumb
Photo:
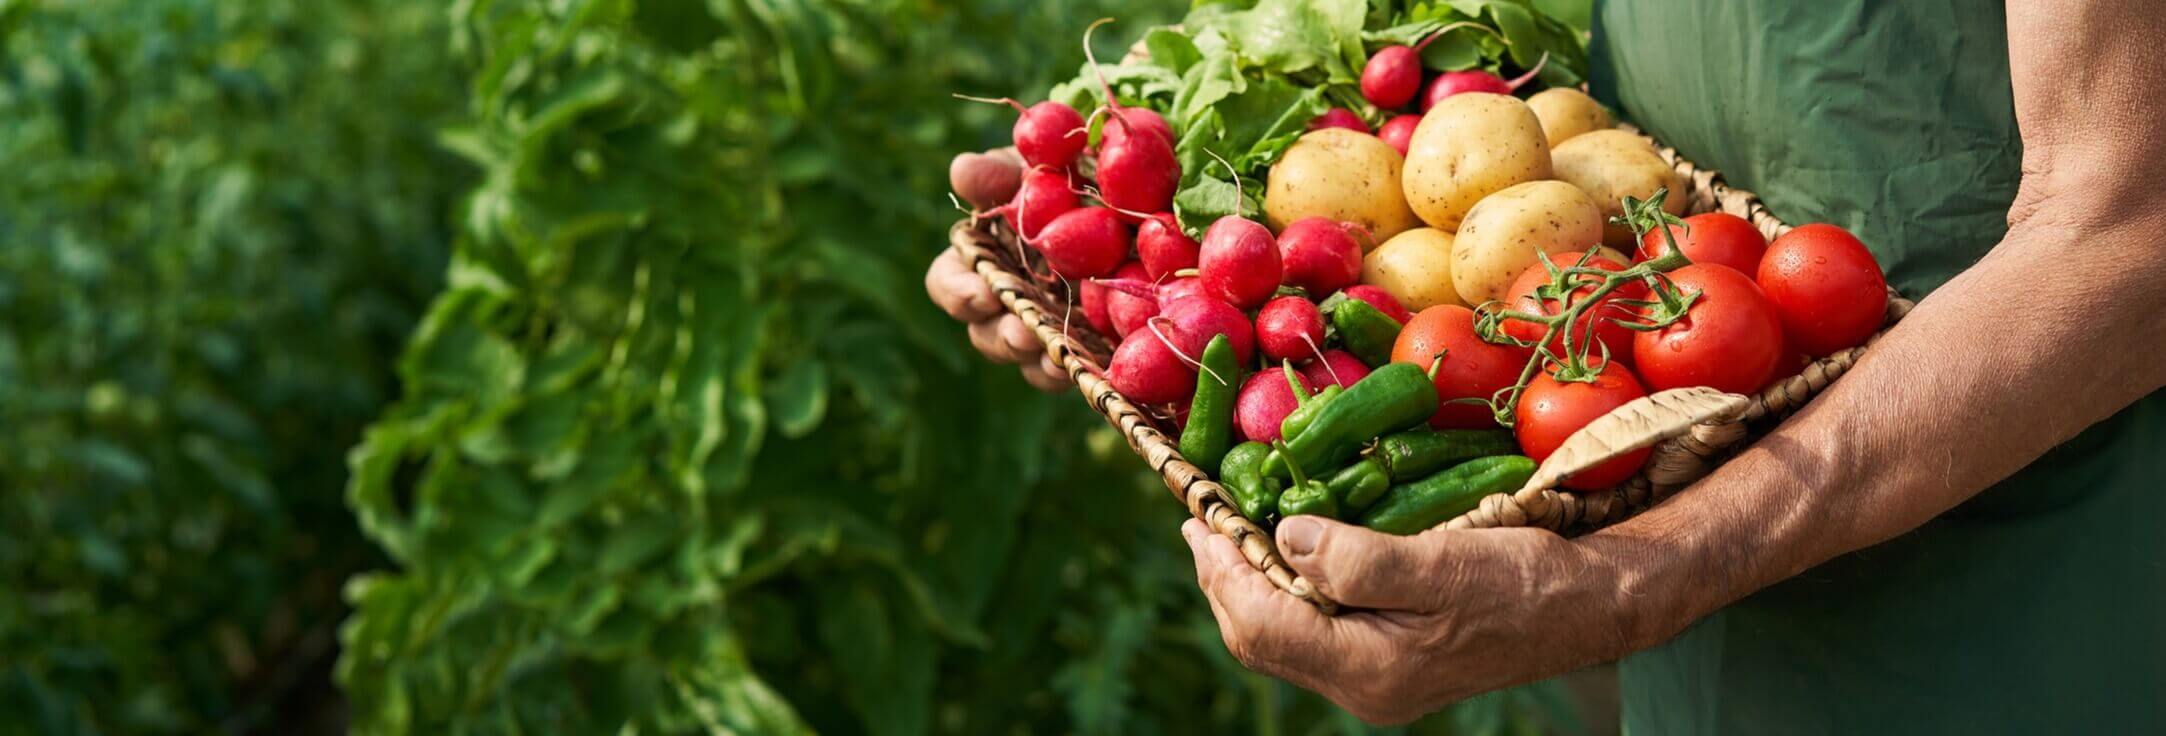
(1360, 567)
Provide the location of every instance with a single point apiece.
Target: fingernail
(1299, 535)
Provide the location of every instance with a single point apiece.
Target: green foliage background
(661, 433)
(218, 224)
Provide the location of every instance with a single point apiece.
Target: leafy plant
(218, 221)
(682, 447)
(1242, 80)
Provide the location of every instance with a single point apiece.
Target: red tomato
(1826, 287)
(1472, 369)
(1730, 340)
(1715, 237)
(1551, 410)
(1521, 298)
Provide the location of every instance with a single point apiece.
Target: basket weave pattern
(1678, 459)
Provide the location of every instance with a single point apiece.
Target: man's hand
(1449, 614)
(993, 331)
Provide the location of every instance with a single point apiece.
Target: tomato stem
(1564, 285)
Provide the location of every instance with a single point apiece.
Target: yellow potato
(1566, 112)
(1415, 267)
(1611, 165)
(1339, 174)
(1502, 233)
(1468, 147)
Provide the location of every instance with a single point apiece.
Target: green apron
(2040, 605)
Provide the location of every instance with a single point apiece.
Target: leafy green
(1241, 81)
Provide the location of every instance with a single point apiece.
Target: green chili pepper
(1306, 495)
(1298, 420)
(1311, 499)
(1360, 484)
(1367, 332)
(1413, 507)
(1241, 475)
(1294, 383)
(1417, 453)
(1210, 414)
(1392, 398)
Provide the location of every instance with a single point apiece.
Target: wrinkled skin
(1436, 611)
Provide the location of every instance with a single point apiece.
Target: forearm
(2061, 325)
(2010, 359)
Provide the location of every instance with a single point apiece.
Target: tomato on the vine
(1607, 332)
(1826, 288)
(1472, 368)
(1729, 340)
(1713, 237)
(1551, 410)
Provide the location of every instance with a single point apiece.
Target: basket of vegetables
(1322, 260)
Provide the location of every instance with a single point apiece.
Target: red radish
(1125, 310)
(1132, 299)
(1392, 77)
(1475, 80)
(1461, 82)
(1162, 246)
(984, 180)
(1044, 195)
(1185, 286)
(1399, 132)
(1136, 173)
(1319, 255)
(1149, 368)
(1263, 404)
(1097, 298)
(1337, 367)
(1050, 134)
(1084, 243)
(1290, 328)
(1141, 119)
(1239, 262)
(1201, 318)
(1339, 117)
(1384, 302)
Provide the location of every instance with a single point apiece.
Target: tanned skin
(2062, 324)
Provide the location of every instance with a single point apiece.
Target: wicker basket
(1692, 430)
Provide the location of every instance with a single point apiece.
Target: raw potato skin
(1343, 175)
(1567, 112)
(1470, 146)
(1502, 233)
(1611, 165)
(1414, 267)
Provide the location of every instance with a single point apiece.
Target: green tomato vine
(1581, 287)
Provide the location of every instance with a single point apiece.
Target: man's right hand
(995, 332)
